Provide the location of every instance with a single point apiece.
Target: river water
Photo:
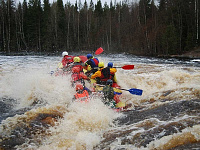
(37, 112)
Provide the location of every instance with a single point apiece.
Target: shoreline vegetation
(142, 28)
(193, 54)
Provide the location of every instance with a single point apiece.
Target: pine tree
(61, 26)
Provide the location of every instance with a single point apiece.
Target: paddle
(126, 67)
(99, 51)
(134, 91)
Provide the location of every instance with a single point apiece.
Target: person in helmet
(108, 90)
(66, 59)
(81, 93)
(103, 74)
(111, 97)
(91, 64)
(78, 76)
(77, 63)
(110, 65)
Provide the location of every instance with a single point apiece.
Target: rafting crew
(101, 75)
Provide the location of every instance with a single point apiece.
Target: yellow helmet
(101, 65)
(76, 59)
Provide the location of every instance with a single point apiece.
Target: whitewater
(37, 112)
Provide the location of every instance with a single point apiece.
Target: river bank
(191, 54)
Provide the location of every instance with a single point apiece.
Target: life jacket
(105, 75)
(78, 65)
(78, 77)
(75, 76)
(93, 62)
(67, 60)
(84, 96)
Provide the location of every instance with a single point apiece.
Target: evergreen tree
(61, 26)
(142, 28)
(84, 23)
(46, 29)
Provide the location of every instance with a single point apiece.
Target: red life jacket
(80, 66)
(84, 96)
(75, 76)
(96, 61)
(78, 76)
(67, 60)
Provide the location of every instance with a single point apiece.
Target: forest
(141, 28)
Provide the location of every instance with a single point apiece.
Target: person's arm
(115, 79)
(96, 74)
(113, 70)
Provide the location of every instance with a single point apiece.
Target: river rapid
(37, 112)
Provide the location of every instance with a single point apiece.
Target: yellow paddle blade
(60, 65)
(120, 104)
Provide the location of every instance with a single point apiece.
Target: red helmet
(76, 70)
(79, 87)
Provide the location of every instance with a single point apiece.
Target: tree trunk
(3, 30)
(8, 33)
(197, 20)
(68, 29)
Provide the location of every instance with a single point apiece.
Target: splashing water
(37, 111)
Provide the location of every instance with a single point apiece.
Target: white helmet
(64, 53)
